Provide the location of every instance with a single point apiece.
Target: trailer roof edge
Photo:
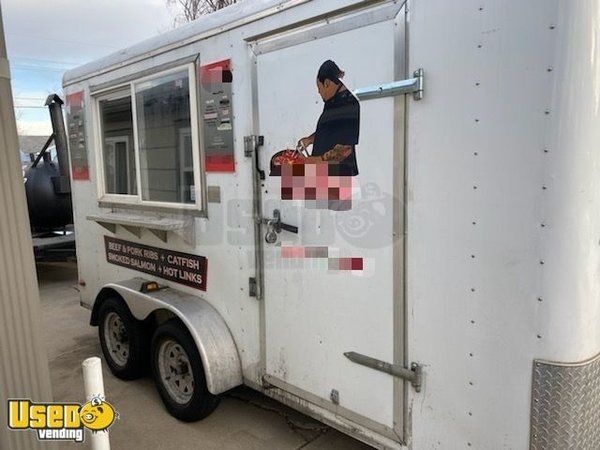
(218, 22)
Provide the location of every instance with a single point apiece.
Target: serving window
(149, 142)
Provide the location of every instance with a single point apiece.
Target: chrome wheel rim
(175, 371)
(116, 339)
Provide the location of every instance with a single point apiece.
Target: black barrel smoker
(48, 190)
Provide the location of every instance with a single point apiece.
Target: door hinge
(251, 142)
(252, 291)
(414, 375)
(251, 145)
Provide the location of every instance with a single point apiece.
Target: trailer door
(336, 285)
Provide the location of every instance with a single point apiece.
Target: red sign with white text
(217, 116)
(76, 136)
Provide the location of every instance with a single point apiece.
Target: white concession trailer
(455, 303)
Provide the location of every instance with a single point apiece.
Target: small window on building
(163, 116)
(117, 143)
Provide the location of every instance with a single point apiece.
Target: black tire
(134, 364)
(201, 402)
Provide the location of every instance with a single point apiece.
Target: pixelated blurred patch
(310, 193)
(322, 253)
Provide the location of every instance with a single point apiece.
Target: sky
(46, 37)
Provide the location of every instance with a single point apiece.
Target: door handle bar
(277, 224)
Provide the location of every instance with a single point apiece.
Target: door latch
(414, 375)
(412, 86)
(274, 227)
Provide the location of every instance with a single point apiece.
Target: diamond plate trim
(565, 405)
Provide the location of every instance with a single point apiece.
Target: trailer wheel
(179, 373)
(122, 340)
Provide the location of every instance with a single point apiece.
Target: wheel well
(159, 316)
(154, 319)
(100, 298)
(213, 338)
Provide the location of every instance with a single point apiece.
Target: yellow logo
(61, 421)
(97, 414)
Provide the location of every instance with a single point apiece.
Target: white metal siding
(503, 219)
(504, 81)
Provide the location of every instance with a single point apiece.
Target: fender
(220, 358)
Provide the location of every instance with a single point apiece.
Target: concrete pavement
(245, 419)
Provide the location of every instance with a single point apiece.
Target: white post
(94, 386)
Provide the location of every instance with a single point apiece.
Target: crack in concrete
(294, 426)
(310, 441)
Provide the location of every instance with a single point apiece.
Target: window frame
(128, 89)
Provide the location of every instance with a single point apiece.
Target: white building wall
(23, 361)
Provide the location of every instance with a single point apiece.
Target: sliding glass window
(163, 114)
(117, 146)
